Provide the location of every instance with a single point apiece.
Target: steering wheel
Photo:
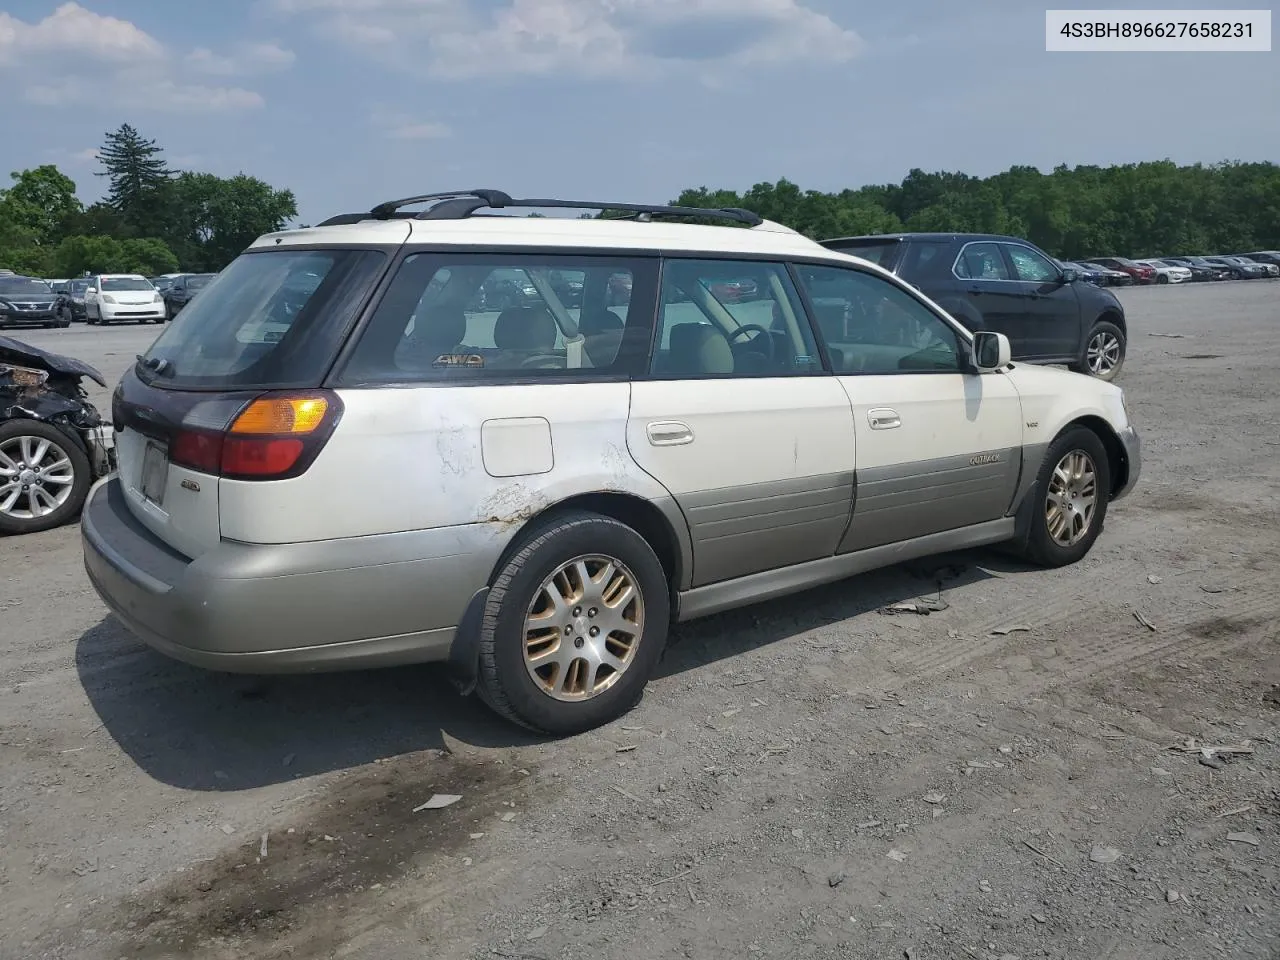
(765, 336)
(543, 361)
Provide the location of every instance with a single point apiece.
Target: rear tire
(1063, 529)
(17, 517)
(1104, 352)
(541, 664)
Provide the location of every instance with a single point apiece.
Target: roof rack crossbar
(735, 214)
(461, 204)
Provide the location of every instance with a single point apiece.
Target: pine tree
(138, 176)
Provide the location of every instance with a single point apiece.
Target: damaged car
(53, 442)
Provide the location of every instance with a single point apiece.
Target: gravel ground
(806, 778)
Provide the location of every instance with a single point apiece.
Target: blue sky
(349, 102)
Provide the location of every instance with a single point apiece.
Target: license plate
(155, 472)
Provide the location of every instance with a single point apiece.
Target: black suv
(181, 289)
(1008, 286)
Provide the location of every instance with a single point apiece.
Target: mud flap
(464, 655)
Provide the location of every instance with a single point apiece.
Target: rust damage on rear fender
(512, 506)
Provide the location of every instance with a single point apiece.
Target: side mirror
(1068, 275)
(991, 351)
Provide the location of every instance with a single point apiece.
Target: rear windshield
(117, 284)
(271, 319)
(23, 287)
(195, 283)
(880, 252)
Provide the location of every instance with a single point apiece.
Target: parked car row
(97, 299)
(1122, 271)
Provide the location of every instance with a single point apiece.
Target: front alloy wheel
(1072, 499)
(44, 477)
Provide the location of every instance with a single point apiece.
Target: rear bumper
(1132, 444)
(286, 608)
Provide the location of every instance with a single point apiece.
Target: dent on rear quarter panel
(411, 458)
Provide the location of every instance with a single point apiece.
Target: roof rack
(461, 204)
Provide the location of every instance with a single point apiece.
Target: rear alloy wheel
(574, 624)
(1104, 352)
(1070, 496)
(44, 477)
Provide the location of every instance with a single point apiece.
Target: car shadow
(208, 731)
(202, 730)
(700, 642)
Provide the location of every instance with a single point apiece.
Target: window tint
(1029, 265)
(872, 326)
(981, 261)
(731, 318)
(460, 317)
(24, 287)
(879, 252)
(118, 284)
(270, 319)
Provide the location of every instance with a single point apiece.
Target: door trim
(771, 584)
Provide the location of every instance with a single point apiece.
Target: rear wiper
(159, 365)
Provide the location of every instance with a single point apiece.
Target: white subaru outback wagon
(525, 446)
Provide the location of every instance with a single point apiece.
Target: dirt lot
(808, 778)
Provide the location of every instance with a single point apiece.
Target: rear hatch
(203, 402)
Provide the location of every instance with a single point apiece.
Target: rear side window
(882, 253)
(485, 317)
(726, 318)
(270, 319)
(981, 261)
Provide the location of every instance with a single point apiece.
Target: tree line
(157, 220)
(152, 220)
(1135, 210)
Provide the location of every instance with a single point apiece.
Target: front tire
(573, 626)
(1161, 278)
(1069, 499)
(44, 477)
(1104, 352)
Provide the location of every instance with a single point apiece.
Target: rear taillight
(274, 437)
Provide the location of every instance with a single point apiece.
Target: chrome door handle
(882, 418)
(669, 433)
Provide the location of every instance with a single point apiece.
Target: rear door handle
(883, 418)
(669, 433)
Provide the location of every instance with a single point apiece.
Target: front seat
(699, 349)
(522, 333)
(602, 332)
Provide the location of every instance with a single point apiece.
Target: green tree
(40, 200)
(219, 217)
(78, 255)
(138, 178)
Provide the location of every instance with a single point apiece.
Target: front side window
(981, 261)
(871, 325)
(1030, 266)
(483, 317)
(723, 318)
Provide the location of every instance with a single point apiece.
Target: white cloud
(247, 58)
(449, 38)
(75, 56)
(399, 126)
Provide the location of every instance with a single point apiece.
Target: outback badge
(984, 458)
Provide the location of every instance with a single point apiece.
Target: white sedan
(113, 297)
(1166, 273)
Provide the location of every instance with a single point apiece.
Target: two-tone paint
(747, 488)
